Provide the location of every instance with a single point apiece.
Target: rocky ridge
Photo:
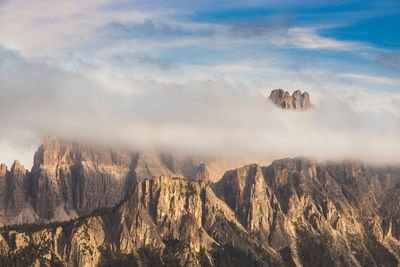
(294, 212)
(297, 101)
(14, 185)
(70, 179)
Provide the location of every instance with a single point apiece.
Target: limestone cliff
(14, 187)
(342, 203)
(70, 179)
(294, 212)
(297, 101)
(158, 210)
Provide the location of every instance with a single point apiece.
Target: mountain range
(69, 179)
(87, 205)
(82, 205)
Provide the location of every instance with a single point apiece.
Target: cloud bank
(149, 77)
(212, 116)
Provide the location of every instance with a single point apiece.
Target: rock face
(294, 212)
(342, 202)
(158, 210)
(297, 101)
(70, 179)
(14, 188)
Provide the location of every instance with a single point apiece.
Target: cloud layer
(212, 116)
(144, 76)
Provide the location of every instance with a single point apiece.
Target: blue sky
(373, 24)
(84, 60)
(340, 35)
(359, 36)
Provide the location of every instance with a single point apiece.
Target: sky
(194, 77)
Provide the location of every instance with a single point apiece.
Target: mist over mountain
(194, 78)
(70, 179)
(200, 117)
(199, 133)
(283, 99)
(108, 206)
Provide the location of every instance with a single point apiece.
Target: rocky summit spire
(17, 167)
(283, 99)
(3, 170)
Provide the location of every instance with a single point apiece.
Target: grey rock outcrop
(70, 179)
(297, 101)
(342, 202)
(14, 198)
(292, 212)
(158, 210)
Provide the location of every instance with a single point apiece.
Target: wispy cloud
(45, 28)
(271, 25)
(390, 59)
(197, 115)
(149, 75)
(308, 38)
(149, 29)
(369, 78)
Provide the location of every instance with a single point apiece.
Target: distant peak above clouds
(283, 99)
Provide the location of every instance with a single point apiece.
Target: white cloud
(68, 77)
(308, 38)
(50, 29)
(368, 78)
(196, 115)
(41, 28)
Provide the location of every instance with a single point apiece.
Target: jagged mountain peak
(264, 211)
(3, 170)
(17, 167)
(292, 212)
(297, 101)
(69, 179)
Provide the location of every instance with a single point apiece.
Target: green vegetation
(229, 256)
(380, 254)
(222, 256)
(362, 257)
(169, 257)
(150, 256)
(112, 259)
(286, 255)
(28, 255)
(173, 249)
(34, 227)
(313, 249)
(189, 190)
(203, 259)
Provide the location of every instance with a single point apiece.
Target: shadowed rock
(70, 179)
(292, 212)
(297, 101)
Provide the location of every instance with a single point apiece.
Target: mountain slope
(343, 203)
(159, 210)
(292, 212)
(70, 179)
